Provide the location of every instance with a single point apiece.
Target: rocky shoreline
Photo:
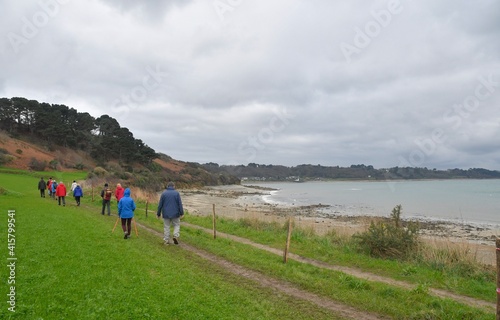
(237, 201)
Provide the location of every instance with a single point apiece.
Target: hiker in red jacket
(61, 193)
(119, 192)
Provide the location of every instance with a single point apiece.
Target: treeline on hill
(255, 171)
(54, 124)
(102, 138)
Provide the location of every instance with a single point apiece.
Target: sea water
(473, 201)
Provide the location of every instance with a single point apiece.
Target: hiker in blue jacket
(77, 193)
(126, 208)
(53, 186)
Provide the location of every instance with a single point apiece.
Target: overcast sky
(382, 83)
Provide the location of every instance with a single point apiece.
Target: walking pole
(116, 223)
(135, 227)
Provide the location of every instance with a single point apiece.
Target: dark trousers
(127, 225)
(77, 198)
(106, 204)
(42, 193)
(63, 200)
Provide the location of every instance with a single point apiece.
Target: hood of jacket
(126, 193)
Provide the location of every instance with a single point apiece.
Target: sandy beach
(239, 201)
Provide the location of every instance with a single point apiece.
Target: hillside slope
(25, 154)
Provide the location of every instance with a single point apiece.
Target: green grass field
(70, 265)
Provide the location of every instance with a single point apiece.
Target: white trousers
(166, 228)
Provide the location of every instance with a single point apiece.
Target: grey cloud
(218, 82)
(146, 9)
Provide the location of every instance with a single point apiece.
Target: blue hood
(126, 193)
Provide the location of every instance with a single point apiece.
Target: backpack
(107, 194)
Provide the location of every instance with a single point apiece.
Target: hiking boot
(125, 236)
(176, 241)
(166, 242)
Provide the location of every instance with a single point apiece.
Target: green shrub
(128, 176)
(353, 283)
(100, 171)
(53, 164)
(421, 288)
(19, 151)
(79, 166)
(154, 167)
(6, 158)
(37, 165)
(390, 239)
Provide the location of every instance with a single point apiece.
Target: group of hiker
(169, 206)
(58, 191)
(126, 206)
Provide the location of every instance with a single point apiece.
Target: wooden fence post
(213, 219)
(497, 242)
(92, 193)
(288, 238)
(147, 203)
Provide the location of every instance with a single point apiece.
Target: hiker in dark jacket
(106, 194)
(42, 186)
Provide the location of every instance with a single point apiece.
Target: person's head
(171, 184)
(106, 185)
(60, 182)
(74, 180)
(127, 192)
(118, 185)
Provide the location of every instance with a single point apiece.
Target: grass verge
(369, 296)
(457, 276)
